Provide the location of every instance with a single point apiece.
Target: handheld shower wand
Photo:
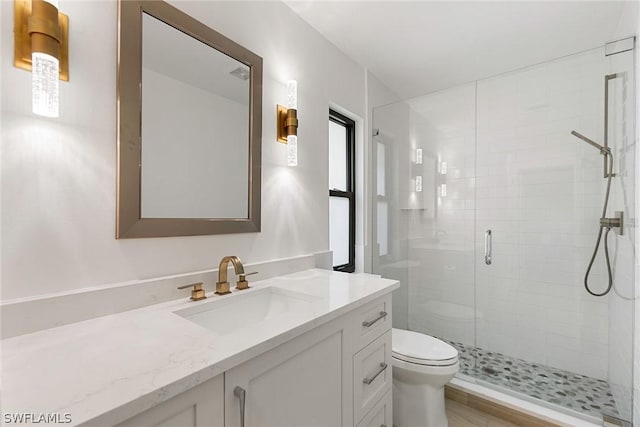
(608, 223)
(605, 222)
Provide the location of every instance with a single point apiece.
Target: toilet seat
(420, 349)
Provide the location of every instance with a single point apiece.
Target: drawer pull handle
(240, 393)
(368, 381)
(369, 323)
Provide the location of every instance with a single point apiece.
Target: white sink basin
(230, 314)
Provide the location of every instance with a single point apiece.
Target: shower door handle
(487, 247)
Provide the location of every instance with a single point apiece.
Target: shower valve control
(616, 222)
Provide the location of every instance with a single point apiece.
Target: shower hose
(606, 235)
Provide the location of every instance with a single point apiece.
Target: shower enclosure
(486, 209)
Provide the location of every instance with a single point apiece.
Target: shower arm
(604, 150)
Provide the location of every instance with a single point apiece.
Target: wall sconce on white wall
(287, 123)
(419, 183)
(41, 44)
(418, 156)
(443, 168)
(443, 190)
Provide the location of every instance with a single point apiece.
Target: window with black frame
(342, 202)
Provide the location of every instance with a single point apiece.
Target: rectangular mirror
(189, 127)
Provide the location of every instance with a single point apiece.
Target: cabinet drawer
(372, 320)
(381, 415)
(371, 375)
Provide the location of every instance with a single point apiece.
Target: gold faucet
(222, 286)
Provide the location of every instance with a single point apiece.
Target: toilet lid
(414, 347)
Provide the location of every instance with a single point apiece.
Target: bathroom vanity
(311, 348)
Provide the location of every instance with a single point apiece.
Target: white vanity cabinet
(333, 375)
(372, 366)
(304, 382)
(201, 406)
(336, 374)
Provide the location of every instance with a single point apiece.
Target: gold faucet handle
(242, 283)
(197, 293)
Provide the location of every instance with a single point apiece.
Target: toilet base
(418, 405)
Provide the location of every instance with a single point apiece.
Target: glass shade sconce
(418, 156)
(41, 45)
(443, 168)
(287, 123)
(419, 184)
(442, 178)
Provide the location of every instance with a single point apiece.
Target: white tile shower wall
(630, 25)
(621, 140)
(635, 11)
(540, 190)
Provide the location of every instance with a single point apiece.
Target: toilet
(422, 365)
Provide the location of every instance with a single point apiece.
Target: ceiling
(419, 47)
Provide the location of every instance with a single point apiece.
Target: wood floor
(460, 415)
(468, 410)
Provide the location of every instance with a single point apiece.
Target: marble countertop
(107, 369)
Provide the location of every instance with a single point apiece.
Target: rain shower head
(603, 150)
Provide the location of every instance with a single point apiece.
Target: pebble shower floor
(574, 391)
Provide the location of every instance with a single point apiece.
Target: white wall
(58, 176)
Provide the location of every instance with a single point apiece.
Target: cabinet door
(305, 382)
(199, 407)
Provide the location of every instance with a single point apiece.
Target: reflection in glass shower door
(389, 230)
(441, 240)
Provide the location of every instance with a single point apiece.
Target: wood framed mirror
(189, 127)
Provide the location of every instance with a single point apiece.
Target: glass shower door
(441, 229)
(492, 165)
(424, 155)
(540, 190)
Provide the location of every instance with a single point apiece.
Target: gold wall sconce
(41, 45)
(287, 123)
